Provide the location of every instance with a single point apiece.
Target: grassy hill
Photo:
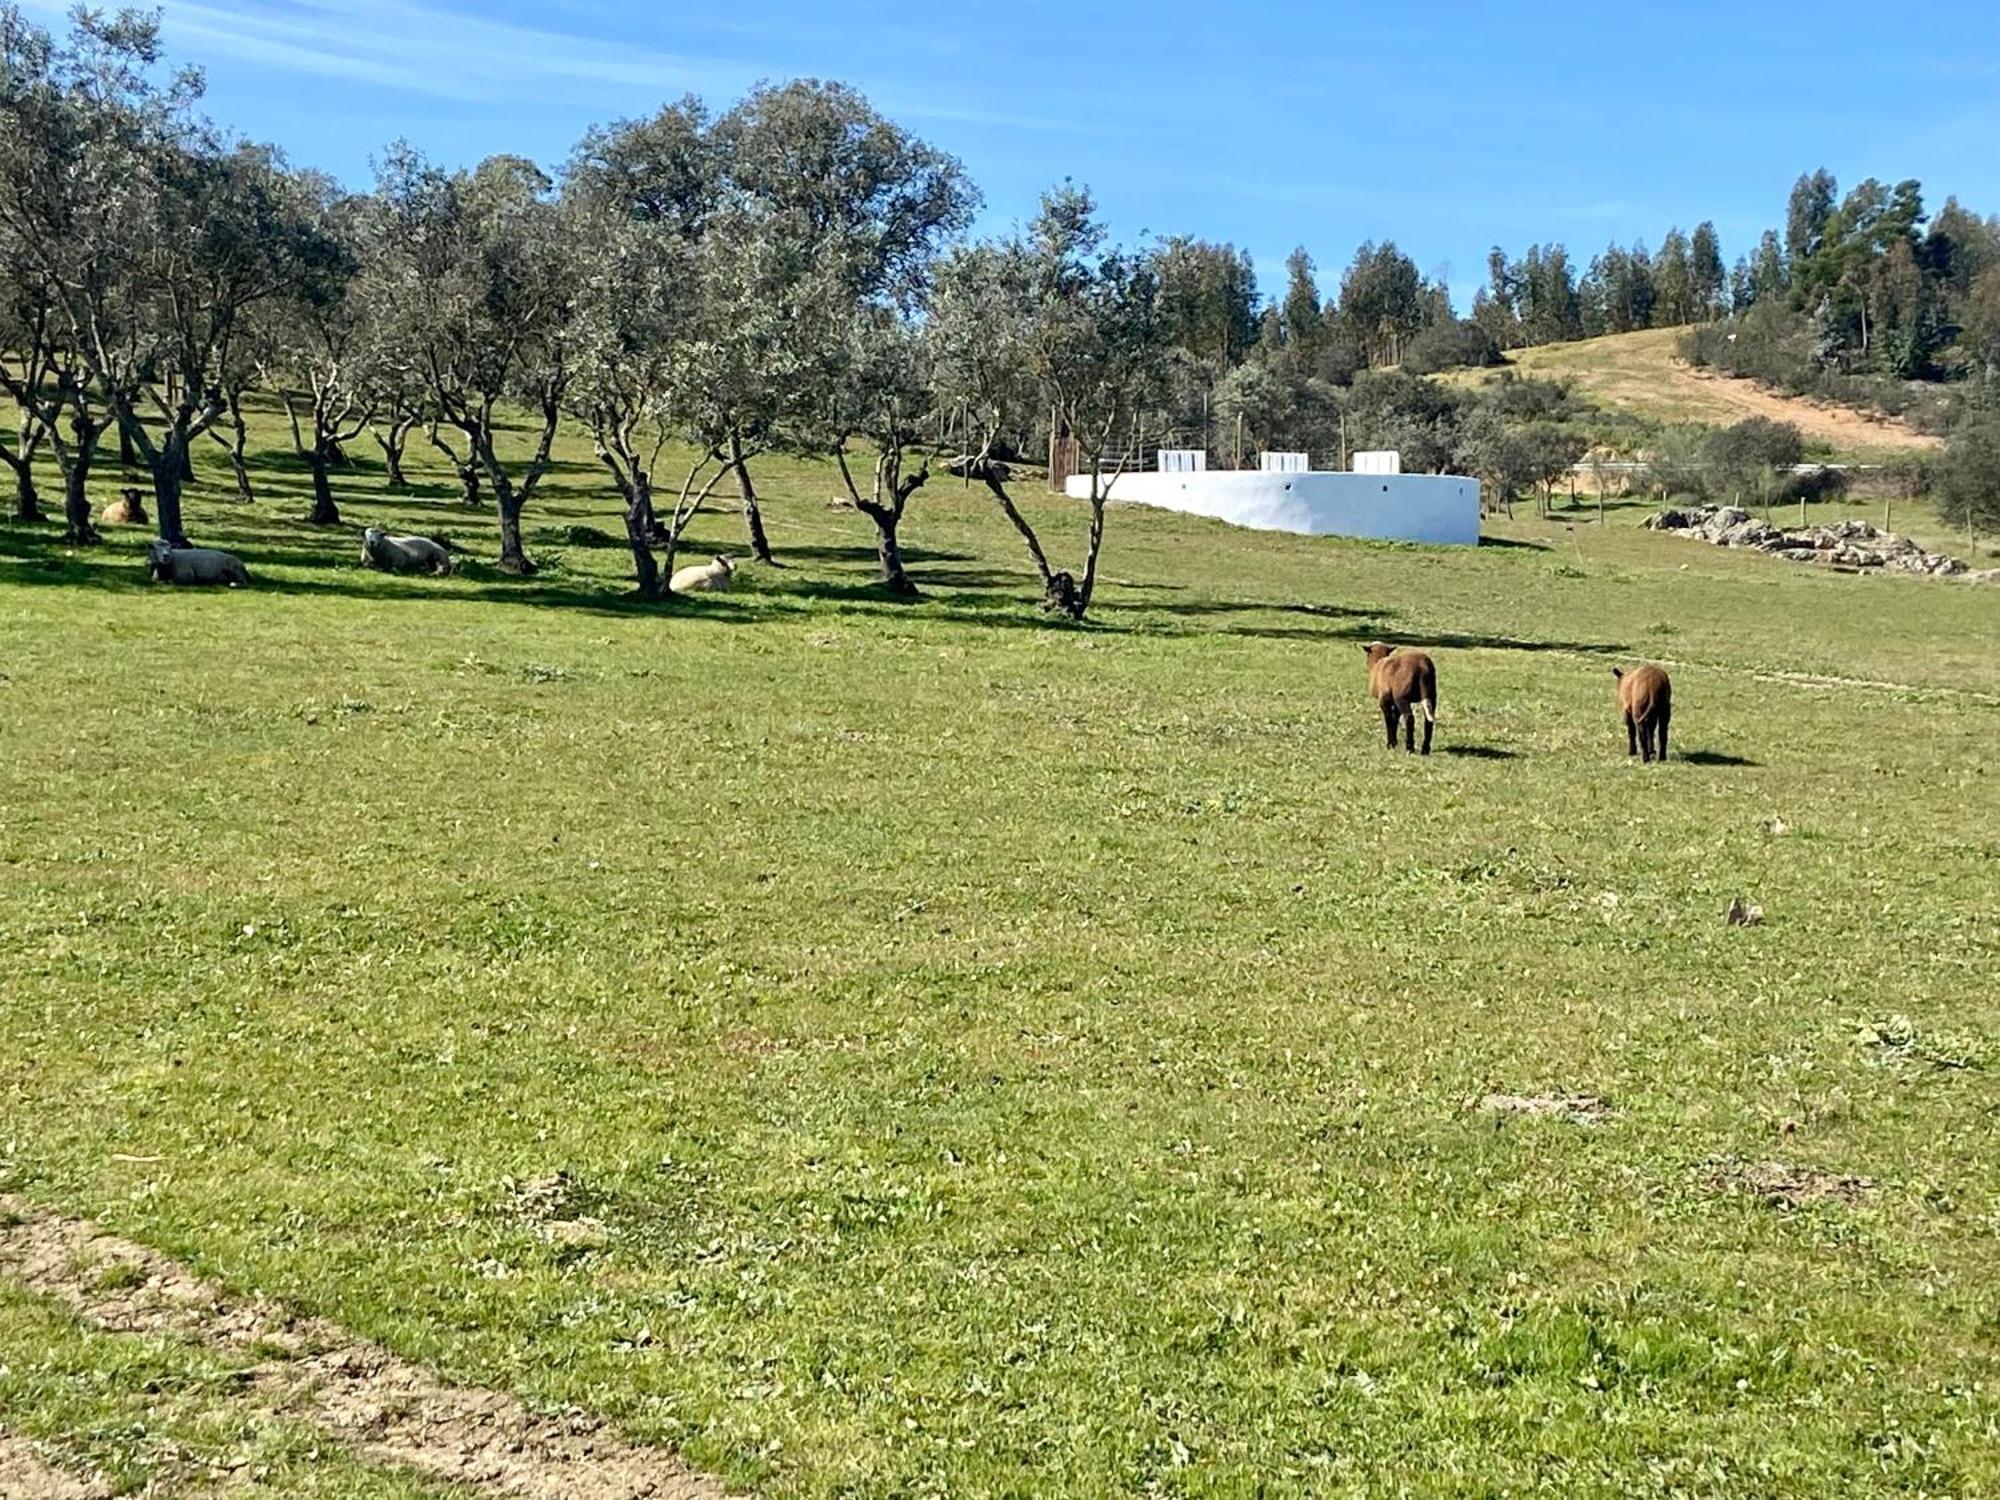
(1641, 373)
(925, 1048)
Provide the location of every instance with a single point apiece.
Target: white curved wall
(1394, 507)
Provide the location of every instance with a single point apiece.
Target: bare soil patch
(1577, 1109)
(1784, 1185)
(385, 1408)
(26, 1475)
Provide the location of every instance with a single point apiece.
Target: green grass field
(964, 1054)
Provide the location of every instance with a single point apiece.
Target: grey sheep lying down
(402, 554)
(197, 565)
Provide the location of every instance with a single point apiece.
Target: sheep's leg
(1662, 727)
(1429, 725)
(1389, 721)
(1631, 736)
(1409, 730)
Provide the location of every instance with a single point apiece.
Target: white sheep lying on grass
(170, 564)
(402, 554)
(708, 577)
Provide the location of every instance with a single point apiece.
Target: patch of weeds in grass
(120, 1276)
(1897, 1037)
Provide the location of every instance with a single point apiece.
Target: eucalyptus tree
(819, 195)
(475, 282)
(1054, 322)
(1208, 299)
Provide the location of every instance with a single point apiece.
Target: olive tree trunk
(324, 512)
(760, 545)
(27, 499)
(77, 530)
(392, 445)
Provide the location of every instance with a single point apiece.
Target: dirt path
(1841, 426)
(24, 1475)
(383, 1407)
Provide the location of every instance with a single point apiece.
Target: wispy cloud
(431, 51)
(450, 55)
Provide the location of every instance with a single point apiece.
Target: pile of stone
(1853, 545)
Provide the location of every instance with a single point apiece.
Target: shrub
(1966, 476)
(1447, 346)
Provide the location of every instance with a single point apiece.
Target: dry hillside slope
(1641, 373)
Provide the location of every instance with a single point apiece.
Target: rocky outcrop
(1852, 545)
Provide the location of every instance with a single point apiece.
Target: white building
(1382, 502)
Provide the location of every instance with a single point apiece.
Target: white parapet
(1378, 461)
(1182, 461)
(1283, 463)
(1393, 507)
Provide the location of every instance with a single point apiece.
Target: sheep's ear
(1619, 673)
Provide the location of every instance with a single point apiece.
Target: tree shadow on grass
(1478, 752)
(1518, 546)
(913, 557)
(1714, 758)
(1363, 632)
(481, 583)
(1195, 608)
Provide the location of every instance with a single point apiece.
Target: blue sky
(1447, 127)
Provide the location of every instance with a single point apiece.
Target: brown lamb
(129, 509)
(1646, 702)
(1401, 681)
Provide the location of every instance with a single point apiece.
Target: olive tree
(155, 235)
(881, 401)
(40, 372)
(1055, 322)
(637, 197)
(819, 195)
(28, 354)
(323, 343)
(475, 283)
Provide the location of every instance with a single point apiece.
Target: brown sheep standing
(1646, 700)
(1399, 681)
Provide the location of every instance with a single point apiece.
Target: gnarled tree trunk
(392, 450)
(513, 556)
(760, 545)
(640, 524)
(77, 530)
(324, 512)
(169, 475)
(888, 553)
(27, 499)
(236, 444)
